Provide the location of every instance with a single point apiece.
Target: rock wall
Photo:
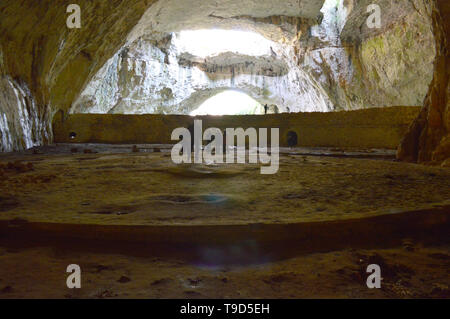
(361, 67)
(44, 64)
(22, 124)
(370, 128)
(428, 139)
(337, 64)
(53, 63)
(145, 77)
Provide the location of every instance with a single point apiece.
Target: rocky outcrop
(428, 140)
(361, 67)
(44, 64)
(22, 124)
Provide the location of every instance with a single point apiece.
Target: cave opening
(212, 42)
(229, 102)
(175, 72)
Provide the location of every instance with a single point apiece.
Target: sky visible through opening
(229, 102)
(213, 42)
(207, 43)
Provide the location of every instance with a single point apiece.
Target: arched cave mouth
(229, 102)
(292, 64)
(171, 64)
(175, 73)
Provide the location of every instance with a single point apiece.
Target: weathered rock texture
(428, 139)
(160, 77)
(277, 20)
(328, 59)
(52, 63)
(22, 124)
(334, 62)
(44, 64)
(152, 73)
(361, 67)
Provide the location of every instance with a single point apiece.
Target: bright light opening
(229, 103)
(205, 43)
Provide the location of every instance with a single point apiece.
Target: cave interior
(360, 101)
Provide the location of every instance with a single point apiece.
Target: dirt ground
(149, 189)
(412, 271)
(97, 187)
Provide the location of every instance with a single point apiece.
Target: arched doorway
(292, 139)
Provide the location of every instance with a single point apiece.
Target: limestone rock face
(334, 63)
(157, 76)
(276, 20)
(53, 63)
(145, 78)
(123, 60)
(361, 67)
(22, 124)
(44, 64)
(428, 139)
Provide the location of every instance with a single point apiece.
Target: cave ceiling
(276, 20)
